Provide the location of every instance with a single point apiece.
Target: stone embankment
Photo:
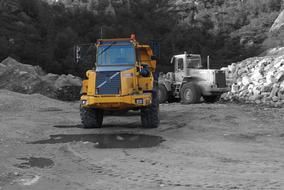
(258, 80)
(28, 79)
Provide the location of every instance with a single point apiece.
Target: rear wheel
(190, 93)
(211, 99)
(91, 117)
(162, 94)
(150, 115)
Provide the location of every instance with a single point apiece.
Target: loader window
(180, 64)
(194, 61)
(116, 55)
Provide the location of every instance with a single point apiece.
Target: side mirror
(84, 53)
(77, 54)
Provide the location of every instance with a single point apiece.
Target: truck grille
(108, 82)
(220, 79)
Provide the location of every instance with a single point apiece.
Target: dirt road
(202, 146)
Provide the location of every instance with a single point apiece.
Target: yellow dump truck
(123, 79)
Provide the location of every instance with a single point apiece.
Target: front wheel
(150, 115)
(162, 94)
(91, 117)
(190, 93)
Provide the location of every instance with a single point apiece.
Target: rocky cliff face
(278, 23)
(111, 6)
(96, 6)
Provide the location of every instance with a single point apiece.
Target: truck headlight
(84, 102)
(139, 101)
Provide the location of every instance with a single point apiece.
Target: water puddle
(68, 126)
(130, 125)
(124, 140)
(49, 109)
(35, 162)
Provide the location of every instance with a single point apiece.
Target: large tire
(190, 93)
(163, 94)
(211, 99)
(150, 115)
(91, 117)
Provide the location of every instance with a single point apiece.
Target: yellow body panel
(91, 82)
(84, 86)
(145, 56)
(128, 83)
(116, 102)
(132, 86)
(145, 83)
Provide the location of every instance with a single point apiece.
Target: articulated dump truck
(122, 80)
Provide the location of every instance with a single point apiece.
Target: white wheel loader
(189, 81)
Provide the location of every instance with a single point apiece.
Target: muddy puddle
(67, 126)
(124, 140)
(32, 162)
(131, 125)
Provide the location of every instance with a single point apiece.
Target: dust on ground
(201, 146)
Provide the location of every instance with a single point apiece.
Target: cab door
(179, 69)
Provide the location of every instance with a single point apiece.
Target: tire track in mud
(148, 172)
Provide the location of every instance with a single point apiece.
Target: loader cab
(179, 67)
(186, 61)
(193, 61)
(183, 63)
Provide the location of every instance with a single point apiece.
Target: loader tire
(150, 115)
(211, 99)
(91, 117)
(190, 93)
(163, 94)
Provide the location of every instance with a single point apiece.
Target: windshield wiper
(106, 48)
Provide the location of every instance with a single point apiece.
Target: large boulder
(278, 23)
(30, 79)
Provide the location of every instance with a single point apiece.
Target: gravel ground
(201, 146)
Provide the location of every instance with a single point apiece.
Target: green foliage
(41, 34)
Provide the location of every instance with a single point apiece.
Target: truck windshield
(116, 55)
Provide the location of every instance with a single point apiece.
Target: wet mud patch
(247, 136)
(32, 162)
(229, 160)
(230, 117)
(124, 140)
(174, 126)
(131, 125)
(68, 126)
(50, 109)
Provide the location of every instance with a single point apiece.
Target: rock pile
(257, 80)
(29, 79)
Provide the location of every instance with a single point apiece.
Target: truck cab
(189, 81)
